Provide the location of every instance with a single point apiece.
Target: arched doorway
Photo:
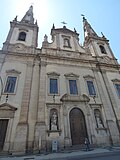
(77, 126)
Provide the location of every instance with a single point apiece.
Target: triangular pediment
(71, 75)
(64, 30)
(6, 106)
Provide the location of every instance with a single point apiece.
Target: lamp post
(54, 98)
(6, 98)
(94, 99)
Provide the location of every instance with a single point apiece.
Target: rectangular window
(117, 86)
(10, 84)
(73, 87)
(53, 86)
(91, 88)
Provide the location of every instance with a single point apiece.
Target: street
(96, 154)
(110, 156)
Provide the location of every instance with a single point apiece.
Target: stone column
(40, 129)
(22, 127)
(110, 117)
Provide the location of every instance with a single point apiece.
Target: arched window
(102, 48)
(22, 36)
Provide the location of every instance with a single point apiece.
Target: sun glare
(40, 9)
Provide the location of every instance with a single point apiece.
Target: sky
(103, 15)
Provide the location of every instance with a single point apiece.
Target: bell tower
(24, 32)
(98, 46)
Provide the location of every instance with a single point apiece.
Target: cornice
(88, 77)
(71, 75)
(53, 74)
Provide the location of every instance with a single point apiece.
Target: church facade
(63, 91)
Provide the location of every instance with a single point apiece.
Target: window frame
(92, 79)
(118, 92)
(72, 76)
(53, 75)
(89, 89)
(53, 86)
(11, 73)
(70, 89)
(20, 34)
(15, 87)
(116, 81)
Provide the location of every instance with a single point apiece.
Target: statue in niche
(66, 42)
(54, 121)
(98, 118)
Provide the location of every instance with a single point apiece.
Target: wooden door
(77, 126)
(3, 129)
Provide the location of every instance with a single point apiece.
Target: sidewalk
(63, 155)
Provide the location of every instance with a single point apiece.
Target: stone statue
(45, 38)
(54, 125)
(98, 120)
(66, 42)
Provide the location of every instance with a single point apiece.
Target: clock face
(19, 47)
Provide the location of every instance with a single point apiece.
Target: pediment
(6, 106)
(71, 75)
(14, 71)
(88, 77)
(115, 80)
(64, 30)
(53, 74)
(79, 98)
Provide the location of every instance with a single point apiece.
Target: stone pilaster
(112, 101)
(111, 97)
(110, 117)
(40, 129)
(20, 141)
(67, 138)
(32, 117)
